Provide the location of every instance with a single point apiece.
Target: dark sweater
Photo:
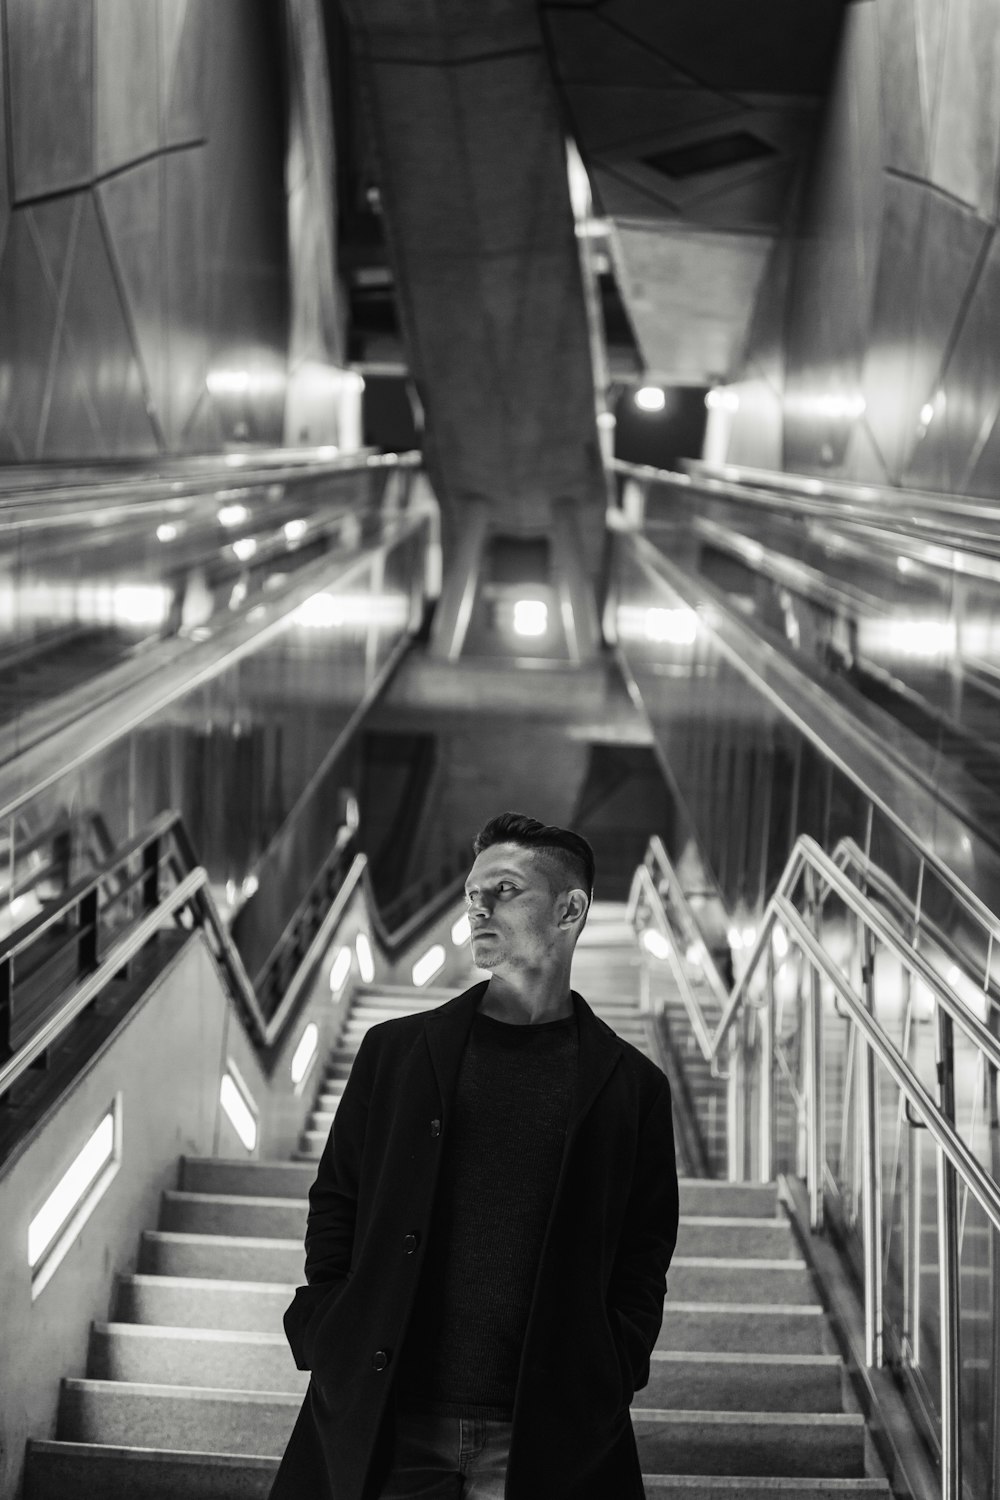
(502, 1150)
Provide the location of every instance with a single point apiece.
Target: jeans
(447, 1458)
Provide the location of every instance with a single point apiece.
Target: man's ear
(574, 908)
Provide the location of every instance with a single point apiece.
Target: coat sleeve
(638, 1282)
(333, 1201)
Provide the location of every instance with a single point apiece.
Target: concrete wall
(164, 1066)
(175, 1033)
(874, 352)
(142, 226)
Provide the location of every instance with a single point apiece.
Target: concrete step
(256, 1179)
(748, 1328)
(758, 1239)
(227, 1213)
(222, 1257)
(311, 1143)
(93, 1471)
(178, 1417)
(202, 1302)
(700, 1381)
(701, 1196)
(97, 1471)
(828, 1446)
(744, 1487)
(733, 1279)
(205, 1357)
(429, 993)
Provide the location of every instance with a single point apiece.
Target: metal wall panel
(139, 264)
(28, 324)
(50, 83)
(126, 84)
(890, 315)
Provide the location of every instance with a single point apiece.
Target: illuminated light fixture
(650, 398)
(245, 548)
(295, 530)
(531, 617)
(70, 1203)
(461, 931)
(749, 936)
(902, 637)
(166, 532)
(607, 419)
(841, 406)
(233, 515)
(903, 564)
(138, 604)
(678, 626)
(655, 943)
(340, 969)
(251, 885)
(329, 611)
(954, 975)
(734, 937)
(327, 451)
(780, 939)
(304, 1053)
(366, 959)
(228, 382)
(722, 400)
(429, 964)
(927, 413)
(238, 1107)
(694, 953)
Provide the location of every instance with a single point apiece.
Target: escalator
(762, 742)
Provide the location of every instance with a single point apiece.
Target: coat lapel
(447, 1030)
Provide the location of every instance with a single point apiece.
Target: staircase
(191, 1389)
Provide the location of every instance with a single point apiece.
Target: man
(491, 1224)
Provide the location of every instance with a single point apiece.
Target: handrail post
(813, 1067)
(151, 875)
(766, 1017)
(949, 1270)
(735, 1132)
(871, 1167)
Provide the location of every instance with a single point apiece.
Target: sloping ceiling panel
(472, 175)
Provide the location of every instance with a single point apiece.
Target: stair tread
(206, 1335)
(148, 1388)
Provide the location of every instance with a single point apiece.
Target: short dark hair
(571, 850)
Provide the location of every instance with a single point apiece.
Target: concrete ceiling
(695, 120)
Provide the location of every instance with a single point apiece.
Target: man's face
(512, 910)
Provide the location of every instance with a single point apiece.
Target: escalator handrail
(42, 764)
(847, 743)
(901, 515)
(808, 854)
(166, 843)
(192, 889)
(136, 489)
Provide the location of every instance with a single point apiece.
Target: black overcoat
(597, 1304)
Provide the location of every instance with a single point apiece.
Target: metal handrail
(908, 514)
(822, 876)
(184, 481)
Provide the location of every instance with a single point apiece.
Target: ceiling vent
(711, 155)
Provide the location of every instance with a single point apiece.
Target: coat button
(435, 1127)
(379, 1359)
(410, 1242)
